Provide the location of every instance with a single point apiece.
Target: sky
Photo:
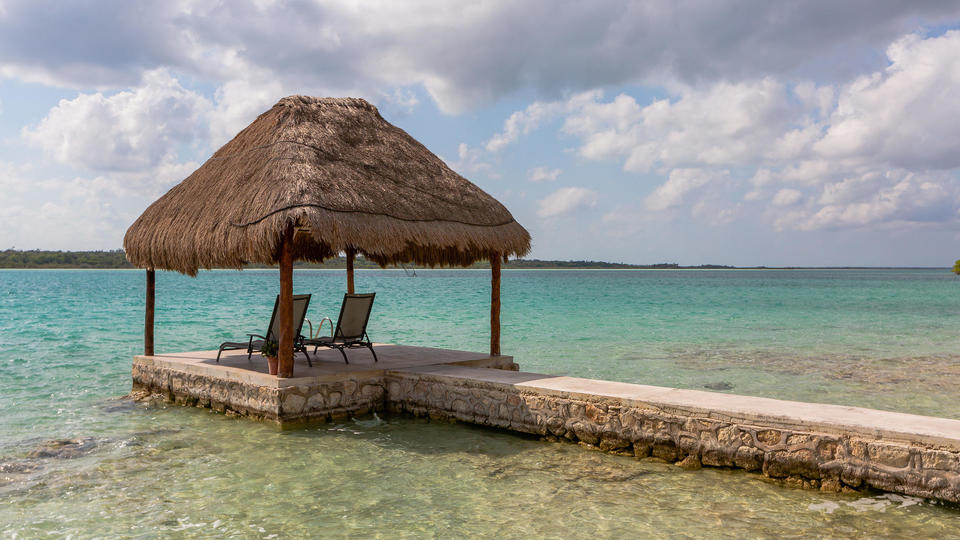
(813, 133)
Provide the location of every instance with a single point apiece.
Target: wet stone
(769, 437)
(613, 444)
(797, 439)
(826, 450)
(748, 458)
(665, 452)
(830, 484)
(715, 457)
(937, 459)
(728, 435)
(889, 455)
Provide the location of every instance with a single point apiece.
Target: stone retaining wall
(317, 401)
(828, 461)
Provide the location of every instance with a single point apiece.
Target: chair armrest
(319, 327)
(250, 343)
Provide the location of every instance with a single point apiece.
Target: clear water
(885, 339)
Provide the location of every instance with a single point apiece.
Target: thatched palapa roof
(340, 173)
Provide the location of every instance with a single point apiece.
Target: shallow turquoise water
(881, 338)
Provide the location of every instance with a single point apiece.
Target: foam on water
(75, 460)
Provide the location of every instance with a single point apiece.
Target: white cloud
(404, 98)
(902, 197)
(821, 99)
(239, 102)
(472, 161)
(680, 184)
(543, 174)
(131, 130)
(523, 122)
(786, 197)
(722, 124)
(905, 116)
(75, 213)
(845, 141)
(566, 200)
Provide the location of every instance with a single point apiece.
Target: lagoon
(884, 339)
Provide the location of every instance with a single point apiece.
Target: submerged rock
(13, 467)
(722, 385)
(64, 448)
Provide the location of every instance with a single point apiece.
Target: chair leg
(218, 354)
(370, 346)
(304, 351)
(343, 354)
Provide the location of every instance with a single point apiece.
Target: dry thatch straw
(340, 173)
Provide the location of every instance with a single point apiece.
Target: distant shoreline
(116, 260)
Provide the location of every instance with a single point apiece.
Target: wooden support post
(495, 304)
(351, 254)
(286, 337)
(148, 314)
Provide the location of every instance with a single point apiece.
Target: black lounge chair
(351, 329)
(300, 303)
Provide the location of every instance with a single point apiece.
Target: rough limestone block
(293, 403)
(937, 459)
(889, 454)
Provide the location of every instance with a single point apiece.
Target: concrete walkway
(328, 365)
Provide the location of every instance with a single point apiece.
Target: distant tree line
(536, 263)
(116, 259)
(63, 259)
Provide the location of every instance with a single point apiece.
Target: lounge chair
(300, 302)
(351, 329)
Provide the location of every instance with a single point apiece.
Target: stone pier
(828, 447)
(330, 389)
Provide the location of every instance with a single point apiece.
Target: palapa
(344, 177)
(313, 177)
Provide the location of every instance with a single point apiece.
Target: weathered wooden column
(351, 254)
(495, 304)
(285, 339)
(148, 314)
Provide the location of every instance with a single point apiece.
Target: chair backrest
(300, 303)
(354, 314)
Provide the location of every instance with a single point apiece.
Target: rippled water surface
(76, 460)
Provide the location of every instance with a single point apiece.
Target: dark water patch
(123, 404)
(721, 385)
(64, 448)
(75, 447)
(18, 467)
